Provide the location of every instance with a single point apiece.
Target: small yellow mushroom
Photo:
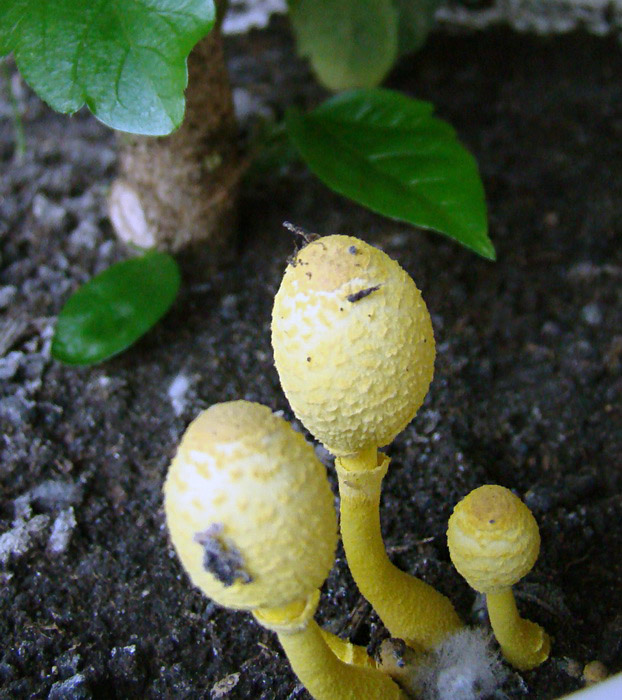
(354, 350)
(493, 542)
(250, 513)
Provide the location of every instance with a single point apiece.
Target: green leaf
(389, 153)
(350, 43)
(115, 308)
(416, 18)
(124, 59)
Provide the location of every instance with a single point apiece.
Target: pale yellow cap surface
(493, 538)
(353, 343)
(249, 508)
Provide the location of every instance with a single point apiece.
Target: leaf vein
(401, 186)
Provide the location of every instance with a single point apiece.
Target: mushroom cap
(493, 538)
(249, 508)
(353, 343)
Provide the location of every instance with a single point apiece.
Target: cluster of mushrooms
(249, 507)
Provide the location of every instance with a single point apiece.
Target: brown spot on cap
(220, 556)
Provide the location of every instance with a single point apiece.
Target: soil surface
(527, 392)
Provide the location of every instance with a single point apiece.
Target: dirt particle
(306, 236)
(594, 672)
(222, 688)
(551, 219)
(573, 668)
(613, 355)
(361, 294)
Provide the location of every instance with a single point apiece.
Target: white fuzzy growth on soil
(464, 667)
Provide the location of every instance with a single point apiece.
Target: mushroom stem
(362, 461)
(324, 675)
(411, 609)
(523, 643)
(347, 652)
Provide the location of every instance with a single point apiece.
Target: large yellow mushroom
(354, 350)
(493, 542)
(250, 513)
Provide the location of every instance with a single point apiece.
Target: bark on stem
(179, 192)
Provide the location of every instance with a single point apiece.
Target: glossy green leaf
(389, 153)
(416, 19)
(115, 308)
(124, 59)
(350, 43)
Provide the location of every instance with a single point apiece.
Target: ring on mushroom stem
(493, 542)
(250, 513)
(354, 350)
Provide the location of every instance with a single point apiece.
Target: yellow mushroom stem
(410, 609)
(346, 651)
(324, 675)
(523, 643)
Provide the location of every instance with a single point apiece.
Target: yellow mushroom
(354, 350)
(493, 542)
(250, 513)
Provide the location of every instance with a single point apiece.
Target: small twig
(18, 124)
(575, 562)
(253, 660)
(550, 608)
(356, 617)
(399, 548)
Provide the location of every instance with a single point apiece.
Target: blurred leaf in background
(350, 43)
(415, 21)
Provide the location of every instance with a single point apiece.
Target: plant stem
(179, 192)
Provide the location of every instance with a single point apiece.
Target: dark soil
(527, 391)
